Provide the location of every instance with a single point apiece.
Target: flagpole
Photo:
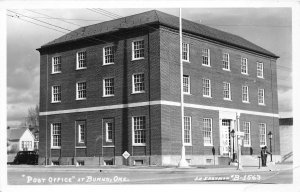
(183, 162)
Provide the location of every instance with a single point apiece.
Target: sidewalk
(203, 169)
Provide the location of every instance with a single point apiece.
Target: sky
(270, 28)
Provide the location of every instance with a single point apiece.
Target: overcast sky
(269, 28)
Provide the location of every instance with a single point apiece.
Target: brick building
(115, 87)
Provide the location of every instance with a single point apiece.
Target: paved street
(20, 175)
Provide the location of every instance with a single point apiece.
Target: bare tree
(32, 119)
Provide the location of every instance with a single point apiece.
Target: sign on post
(126, 155)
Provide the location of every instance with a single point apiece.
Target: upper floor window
(207, 131)
(205, 57)
(55, 135)
(108, 55)
(244, 66)
(81, 90)
(261, 96)
(56, 64)
(262, 130)
(185, 52)
(187, 130)
(138, 82)
(260, 70)
(138, 49)
(245, 94)
(81, 60)
(186, 84)
(206, 87)
(56, 94)
(226, 91)
(247, 136)
(108, 87)
(139, 130)
(81, 132)
(226, 61)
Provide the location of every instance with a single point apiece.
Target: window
(226, 91)
(109, 131)
(186, 84)
(139, 130)
(81, 60)
(226, 62)
(244, 66)
(262, 129)
(81, 132)
(205, 57)
(260, 70)
(55, 135)
(207, 131)
(56, 94)
(245, 94)
(187, 130)
(138, 83)
(108, 55)
(138, 50)
(81, 90)
(247, 138)
(206, 87)
(185, 52)
(108, 87)
(261, 96)
(26, 145)
(56, 64)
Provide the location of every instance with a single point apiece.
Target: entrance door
(225, 137)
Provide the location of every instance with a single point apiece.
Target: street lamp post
(232, 135)
(270, 137)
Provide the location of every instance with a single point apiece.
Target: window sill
(186, 61)
(136, 59)
(139, 144)
(208, 145)
(80, 147)
(207, 96)
(226, 70)
(247, 102)
(262, 104)
(187, 93)
(133, 93)
(104, 64)
(80, 99)
(108, 95)
(227, 99)
(53, 73)
(206, 65)
(245, 74)
(78, 69)
(52, 147)
(262, 146)
(187, 144)
(247, 146)
(107, 146)
(55, 102)
(260, 77)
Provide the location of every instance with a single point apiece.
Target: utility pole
(239, 142)
(183, 162)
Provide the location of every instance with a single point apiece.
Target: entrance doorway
(225, 137)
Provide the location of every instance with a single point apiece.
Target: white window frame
(262, 135)
(204, 56)
(247, 94)
(224, 62)
(226, 84)
(77, 91)
(142, 83)
(107, 139)
(141, 50)
(187, 129)
(204, 87)
(186, 52)
(244, 66)
(80, 132)
(78, 59)
(113, 54)
(260, 70)
(56, 64)
(113, 87)
(53, 94)
(142, 130)
(261, 98)
(209, 133)
(186, 85)
(52, 136)
(247, 125)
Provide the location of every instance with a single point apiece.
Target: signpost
(126, 155)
